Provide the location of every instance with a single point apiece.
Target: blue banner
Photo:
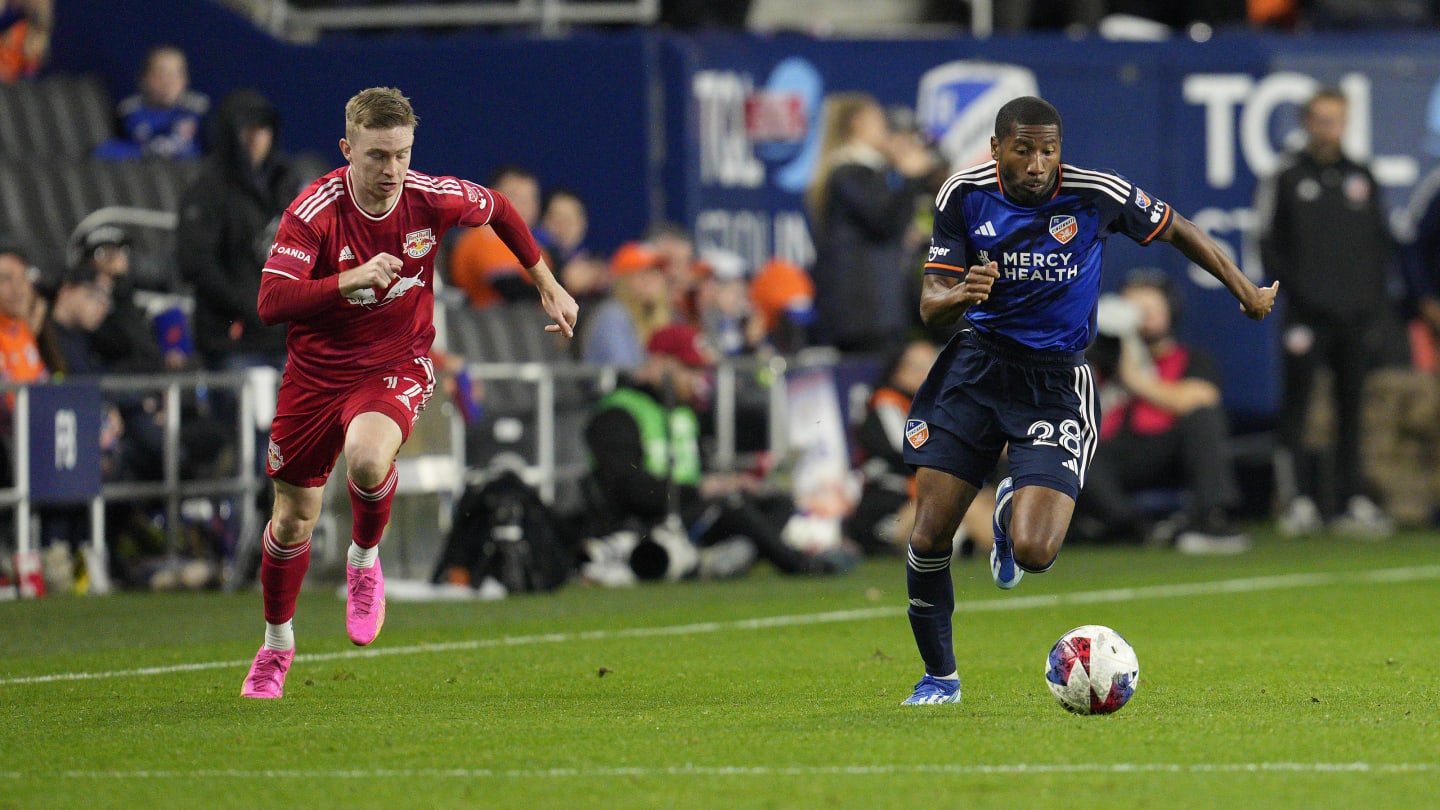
(65, 443)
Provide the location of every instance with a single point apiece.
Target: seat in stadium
(57, 116)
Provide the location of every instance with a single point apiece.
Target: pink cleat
(364, 603)
(267, 674)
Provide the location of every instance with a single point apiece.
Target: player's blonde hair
(378, 108)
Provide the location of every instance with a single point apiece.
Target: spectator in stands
(677, 256)
(97, 329)
(1324, 236)
(618, 329)
(563, 227)
(132, 439)
(81, 304)
(163, 119)
(722, 297)
(480, 264)
(20, 360)
(881, 521)
(125, 341)
(784, 299)
(223, 239)
(644, 443)
(1162, 425)
(25, 27)
(859, 219)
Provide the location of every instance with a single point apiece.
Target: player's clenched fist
(1262, 300)
(978, 281)
(374, 274)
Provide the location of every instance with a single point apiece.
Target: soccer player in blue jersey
(1016, 252)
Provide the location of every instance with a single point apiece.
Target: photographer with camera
(1162, 425)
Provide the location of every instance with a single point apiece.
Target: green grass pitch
(1300, 675)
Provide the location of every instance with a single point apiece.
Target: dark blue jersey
(1048, 255)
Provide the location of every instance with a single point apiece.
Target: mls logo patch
(419, 243)
(1063, 228)
(917, 433)
(273, 458)
(1142, 199)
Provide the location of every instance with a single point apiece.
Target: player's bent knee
(1036, 555)
(367, 467)
(930, 541)
(290, 530)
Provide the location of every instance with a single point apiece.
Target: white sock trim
(280, 636)
(361, 557)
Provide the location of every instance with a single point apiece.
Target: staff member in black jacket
(1323, 235)
(227, 223)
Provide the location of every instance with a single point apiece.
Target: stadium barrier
(56, 457)
(55, 450)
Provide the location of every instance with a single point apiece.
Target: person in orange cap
(784, 297)
(639, 304)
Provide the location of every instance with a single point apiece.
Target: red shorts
(310, 422)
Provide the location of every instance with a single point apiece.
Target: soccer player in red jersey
(352, 272)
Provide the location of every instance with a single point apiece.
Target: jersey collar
(351, 191)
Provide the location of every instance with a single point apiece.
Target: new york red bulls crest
(418, 243)
(1063, 228)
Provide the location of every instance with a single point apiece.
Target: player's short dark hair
(1026, 111)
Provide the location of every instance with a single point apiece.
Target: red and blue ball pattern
(1092, 670)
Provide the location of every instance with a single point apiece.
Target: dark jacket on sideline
(228, 218)
(862, 270)
(1325, 237)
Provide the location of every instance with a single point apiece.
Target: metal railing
(439, 467)
(544, 471)
(172, 488)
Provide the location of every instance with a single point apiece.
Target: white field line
(1112, 595)
(1014, 769)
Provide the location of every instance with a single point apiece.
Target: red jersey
(335, 339)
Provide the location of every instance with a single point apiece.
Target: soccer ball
(1092, 670)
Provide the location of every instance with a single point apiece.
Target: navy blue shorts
(986, 392)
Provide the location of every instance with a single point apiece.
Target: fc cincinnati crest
(419, 243)
(1063, 228)
(917, 433)
(273, 457)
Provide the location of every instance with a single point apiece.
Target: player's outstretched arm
(1255, 302)
(943, 299)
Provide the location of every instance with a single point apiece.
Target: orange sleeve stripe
(940, 266)
(1165, 220)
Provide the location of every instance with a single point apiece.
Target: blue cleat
(1002, 555)
(931, 689)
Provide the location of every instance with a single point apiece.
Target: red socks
(371, 509)
(282, 569)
